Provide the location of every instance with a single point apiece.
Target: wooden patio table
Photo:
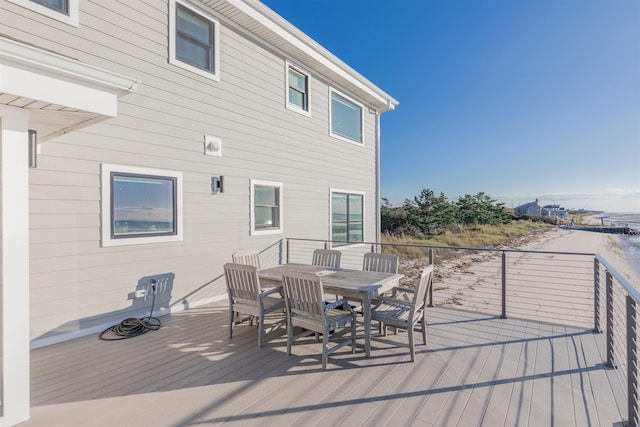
(356, 284)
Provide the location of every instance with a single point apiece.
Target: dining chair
(306, 309)
(326, 258)
(383, 263)
(405, 308)
(246, 297)
(247, 257)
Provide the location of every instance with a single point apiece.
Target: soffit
(60, 93)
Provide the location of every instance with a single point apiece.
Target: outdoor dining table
(356, 284)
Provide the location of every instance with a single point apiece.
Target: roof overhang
(60, 93)
(267, 25)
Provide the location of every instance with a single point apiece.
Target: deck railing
(565, 288)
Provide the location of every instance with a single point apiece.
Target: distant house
(556, 211)
(150, 140)
(532, 209)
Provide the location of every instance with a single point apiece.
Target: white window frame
(280, 186)
(294, 107)
(73, 18)
(343, 191)
(107, 240)
(350, 99)
(215, 75)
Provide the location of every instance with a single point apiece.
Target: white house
(150, 140)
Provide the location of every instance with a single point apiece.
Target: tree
(428, 213)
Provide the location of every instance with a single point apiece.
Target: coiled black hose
(132, 327)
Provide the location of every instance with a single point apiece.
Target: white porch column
(14, 265)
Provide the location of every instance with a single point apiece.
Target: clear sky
(520, 99)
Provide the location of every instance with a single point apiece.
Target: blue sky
(520, 99)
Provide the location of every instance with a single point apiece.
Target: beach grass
(476, 236)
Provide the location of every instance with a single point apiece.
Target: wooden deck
(475, 371)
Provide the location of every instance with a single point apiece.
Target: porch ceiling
(61, 93)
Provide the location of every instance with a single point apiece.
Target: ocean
(631, 244)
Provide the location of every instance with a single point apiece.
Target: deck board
(476, 370)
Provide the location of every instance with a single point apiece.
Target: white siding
(76, 283)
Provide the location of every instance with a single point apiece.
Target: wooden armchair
(326, 258)
(246, 297)
(383, 263)
(405, 313)
(307, 309)
(247, 258)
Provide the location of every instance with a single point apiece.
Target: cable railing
(565, 288)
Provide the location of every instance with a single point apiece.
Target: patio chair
(247, 258)
(306, 309)
(405, 308)
(383, 263)
(246, 297)
(326, 258)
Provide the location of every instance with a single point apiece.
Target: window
(266, 207)
(193, 39)
(297, 89)
(140, 205)
(347, 217)
(61, 10)
(346, 118)
(61, 6)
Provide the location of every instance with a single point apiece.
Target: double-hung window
(266, 207)
(298, 84)
(140, 205)
(61, 6)
(346, 118)
(193, 39)
(347, 217)
(61, 10)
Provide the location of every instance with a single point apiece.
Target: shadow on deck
(475, 370)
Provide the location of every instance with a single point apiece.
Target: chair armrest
(335, 304)
(277, 289)
(392, 300)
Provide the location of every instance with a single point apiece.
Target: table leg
(366, 314)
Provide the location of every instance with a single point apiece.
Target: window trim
(252, 207)
(293, 107)
(73, 18)
(174, 60)
(350, 99)
(343, 191)
(107, 239)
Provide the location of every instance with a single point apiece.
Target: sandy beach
(554, 284)
(605, 244)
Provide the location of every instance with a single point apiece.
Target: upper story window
(297, 89)
(347, 216)
(140, 205)
(61, 6)
(61, 10)
(266, 207)
(194, 39)
(346, 118)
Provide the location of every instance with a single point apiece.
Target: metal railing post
(431, 287)
(596, 296)
(504, 285)
(632, 360)
(610, 361)
(287, 249)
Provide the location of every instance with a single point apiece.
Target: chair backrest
(383, 263)
(422, 287)
(326, 258)
(304, 295)
(242, 282)
(247, 258)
